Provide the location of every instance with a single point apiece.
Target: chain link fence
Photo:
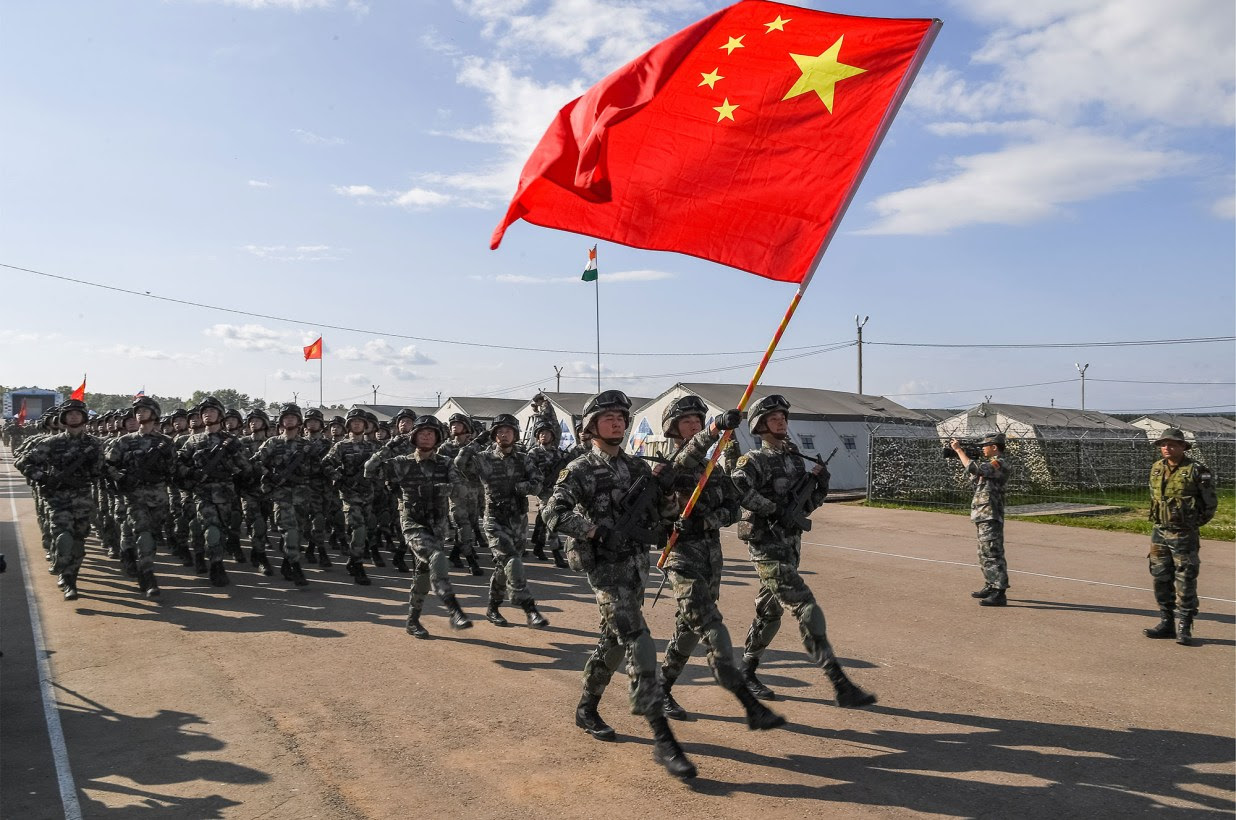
(1056, 470)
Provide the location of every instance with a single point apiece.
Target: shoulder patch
(743, 460)
(562, 475)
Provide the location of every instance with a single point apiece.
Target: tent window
(808, 442)
(849, 443)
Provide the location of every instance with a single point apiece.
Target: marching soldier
(763, 478)
(317, 488)
(694, 566)
(345, 465)
(63, 465)
(585, 506)
(465, 501)
(141, 465)
(285, 474)
(426, 480)
(508, 477)
(209, 464)
(255, 506)
(1182, 501)
(548, 460)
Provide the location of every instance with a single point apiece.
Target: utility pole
(859, 327)
(295, 397)
(375, 392)
(558, 376)
(439, 395)
(1081, 368)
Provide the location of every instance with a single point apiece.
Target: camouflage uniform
(1182, 500)
(548, 462)
(209, 464)
(987, 513)
(586, 495)
(317, 488)
(64, 466)
(255, 506)
(345, 465)
(426, 483)
(763, 478)
(141, 464)
(286, 474)
(508, 479)
(465, 513)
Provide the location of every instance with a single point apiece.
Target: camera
(972, 449)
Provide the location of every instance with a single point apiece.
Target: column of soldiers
(189, 479)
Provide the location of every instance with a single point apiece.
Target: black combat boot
(298, 574)
(199, 562)
(323, 559)
(398, 562)
(559, 559)
(141, 582)
(285, 569)
(982, 593)
(70, 586)
(849, 695)
(459, 619)
(759, 716)
(376, 555)
(1165, 628)
(754, 686)
(494, 616)
(535, 619)
(128, 562)
(587, 718)
(186, 557)
(539, 551)
(474, 565)
(310, 554)
(454, 558)
(667, 752)
(414, 627)
(670, 707)
(218, 575)
(1184, 630)
(258, 560)
(151, 587)
(996, 598)
(238, 552)
(357, 571)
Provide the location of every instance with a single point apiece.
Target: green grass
(1125, 519)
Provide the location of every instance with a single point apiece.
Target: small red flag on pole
(80, 393)
(314, 351)
(21, 414)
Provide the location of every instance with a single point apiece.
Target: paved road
(264, 701)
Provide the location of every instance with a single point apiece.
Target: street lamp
(1081, 368)
(859, 327)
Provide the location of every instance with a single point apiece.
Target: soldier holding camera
(989, 476)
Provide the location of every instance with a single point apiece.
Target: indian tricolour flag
(590, 272)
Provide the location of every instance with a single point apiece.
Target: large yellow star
(725, 111)
(821, 74)
(734, 42)
(710, 79)
(777, 25)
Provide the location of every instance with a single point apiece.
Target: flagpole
(597, 282)
(321, 374)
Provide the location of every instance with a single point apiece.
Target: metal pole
(375, 394)
(558, 376)
(321, 380)
(597, 282)
(1081, 368)
(859, 326)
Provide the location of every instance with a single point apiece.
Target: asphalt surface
(261, 700)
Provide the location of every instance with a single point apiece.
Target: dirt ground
(261, 700)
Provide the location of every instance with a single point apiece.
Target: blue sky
(1061, 172)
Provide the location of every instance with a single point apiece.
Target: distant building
(1026, 422)
(1195, 428)
(385, 412)
(569, 408)
(38, 401)
(820, 420)
(478, 408)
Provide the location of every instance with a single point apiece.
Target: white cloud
(1022, 184)
(1224, 207)
(380, 351)
(255, 338)
(25, 337)
(617, 277)
(356, 190)
(294, 5)
(356, 378)
(420, 198)
(282, 375)
(294, 253)
(413, 198)
(310, 138)
(257, 183)
(399, 372)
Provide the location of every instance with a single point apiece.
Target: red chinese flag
(314, 351)
(740, 139)
(79, 393)
(21, 414)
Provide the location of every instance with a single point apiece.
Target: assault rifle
(276, 478)
(60, 478)
(793, 516)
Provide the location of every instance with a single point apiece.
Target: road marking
(60, 751)
(1011, 572)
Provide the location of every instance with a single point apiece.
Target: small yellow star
(710, 79)
(725, 111)
(777, 25)
(821, 74)
(735, 42)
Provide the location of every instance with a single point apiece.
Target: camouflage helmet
(404, 413)
(211, 401)
(543, 424)
(688, 405)
(429, 423)
(997, 439)
(601, 402)
(1173, 434)
(233, 413)
(460, 418)
(178, 413)
(337, 420)
(150, 404)
(762, 408)
(315, 413)
(257, 413)
(290, 409)
(505, 420)
(72, 404)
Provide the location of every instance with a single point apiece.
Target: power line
(314, 324)
(1187, 384)
(1034, 345)
(978, 389)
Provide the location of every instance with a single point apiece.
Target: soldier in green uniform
(317, 488)
(586, 505)
(141, 465)
(64, 465)
(255, 506)
(989, 477)
(763, 479)
(284, 476)
(549, 460)
(1182, 501)
(508, 476)
(694, 566)
(465, 501)
(345, 466)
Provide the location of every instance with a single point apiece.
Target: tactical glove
(729, 420)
